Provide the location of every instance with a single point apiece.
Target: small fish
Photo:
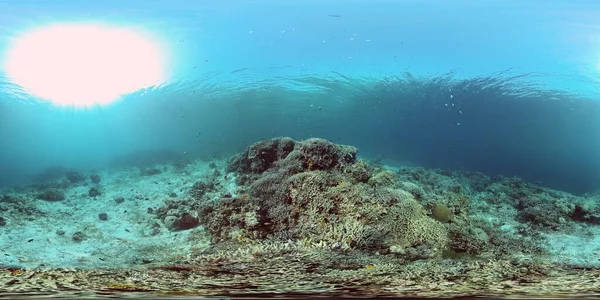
(239, 70)
(14, 271)
(334, 16)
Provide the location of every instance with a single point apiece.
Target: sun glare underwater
(84, 64)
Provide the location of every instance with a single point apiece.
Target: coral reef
(16, 209)
(51, 194)
(94, 192)
(200, 188)
(75, 177)
(295, 197)
(178, 215)
(320, 193)
(317, 191)
(95, 178)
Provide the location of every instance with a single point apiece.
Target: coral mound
(318, 192)
(294, 157)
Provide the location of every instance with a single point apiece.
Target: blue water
(389, 77)
(476, 123)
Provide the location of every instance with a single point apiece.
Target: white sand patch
(131, 234)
